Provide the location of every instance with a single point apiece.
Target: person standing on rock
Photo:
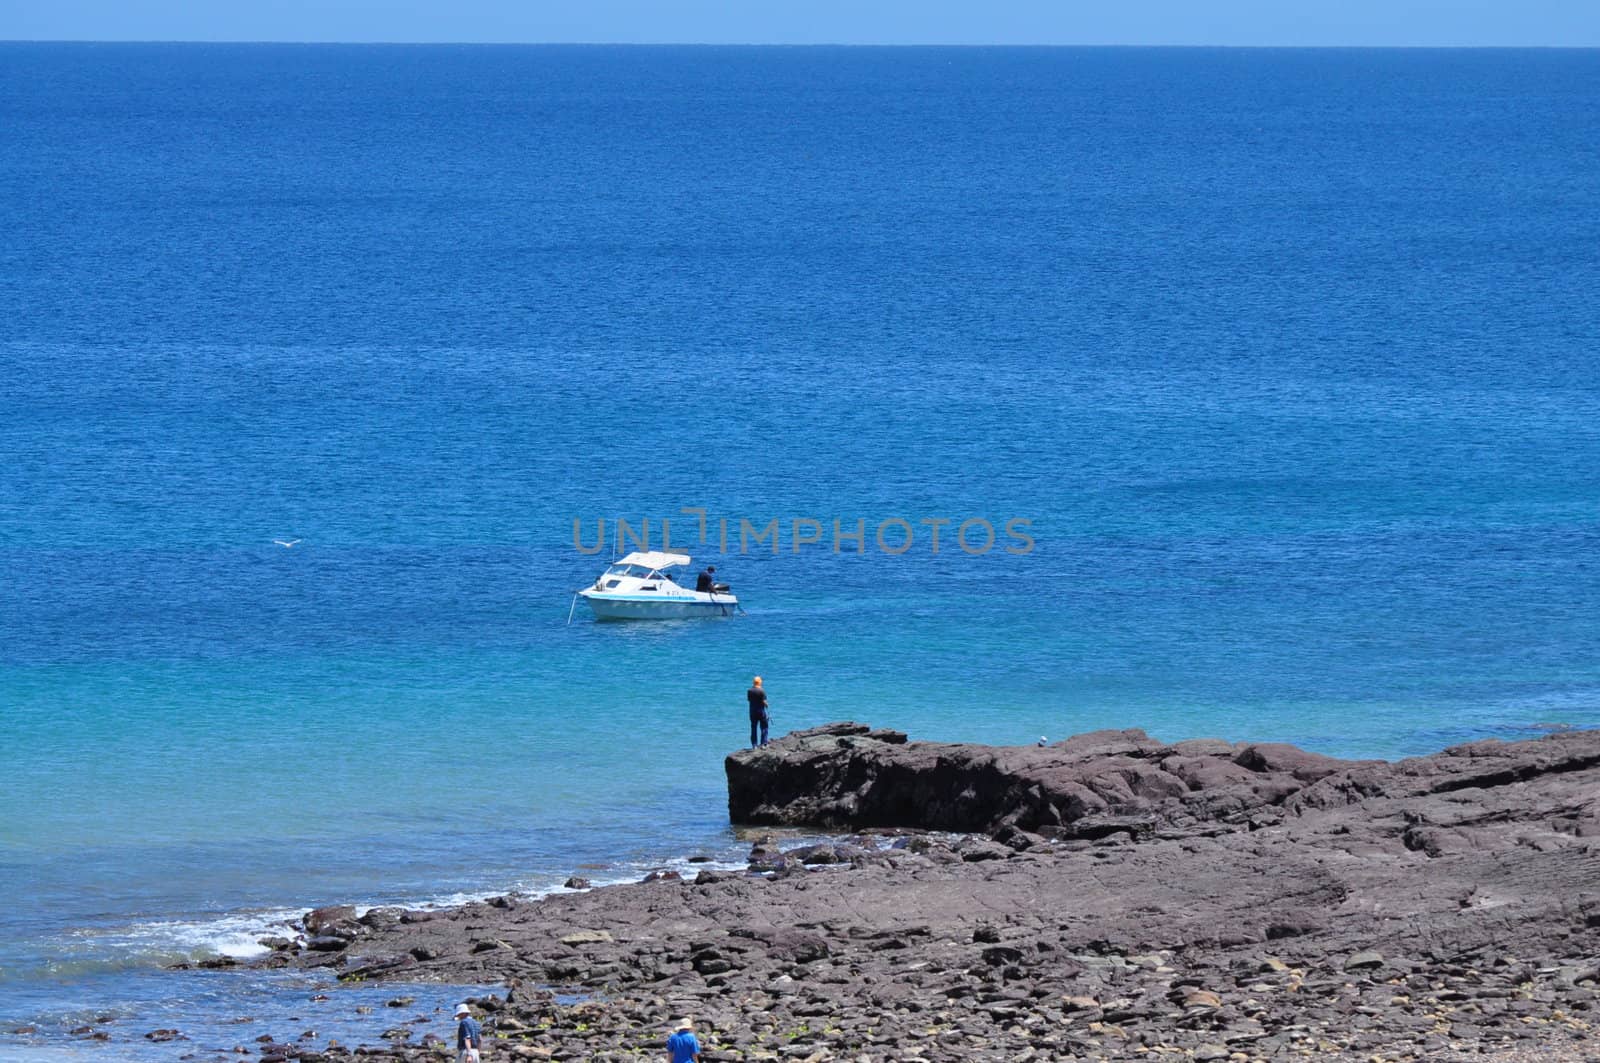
(469, 1036)
(683, 1046)
(757, 696)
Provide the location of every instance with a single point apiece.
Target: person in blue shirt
(682, 1047)
(469, 1036)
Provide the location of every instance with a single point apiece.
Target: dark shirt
(704, 582)
(469, 1034)
(758, 702)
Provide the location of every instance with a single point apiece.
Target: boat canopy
(654, 559)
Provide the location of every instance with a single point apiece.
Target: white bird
(1042, 740)
(287, 544)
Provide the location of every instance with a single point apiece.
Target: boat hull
(614, 607)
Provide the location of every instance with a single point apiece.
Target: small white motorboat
(637, 587)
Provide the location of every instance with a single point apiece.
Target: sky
(1478, 23)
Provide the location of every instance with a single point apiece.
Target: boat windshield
(636, 571)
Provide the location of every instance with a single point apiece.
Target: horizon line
(808, 44)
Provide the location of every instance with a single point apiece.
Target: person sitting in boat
(706, 582)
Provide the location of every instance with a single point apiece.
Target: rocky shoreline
(1108, 897)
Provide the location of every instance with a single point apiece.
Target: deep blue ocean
(1288, 360)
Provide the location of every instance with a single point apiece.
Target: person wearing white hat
(469, 1036)
(683, 1047)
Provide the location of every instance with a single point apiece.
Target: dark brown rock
(334, 917)
(1089, 786)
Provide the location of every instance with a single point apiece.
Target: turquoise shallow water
(1287, 358)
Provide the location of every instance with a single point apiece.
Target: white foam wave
(620, 873)
(236, 934)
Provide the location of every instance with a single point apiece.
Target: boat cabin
(646, 567)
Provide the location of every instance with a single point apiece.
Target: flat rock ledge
(850, 776)
(1108, 897)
